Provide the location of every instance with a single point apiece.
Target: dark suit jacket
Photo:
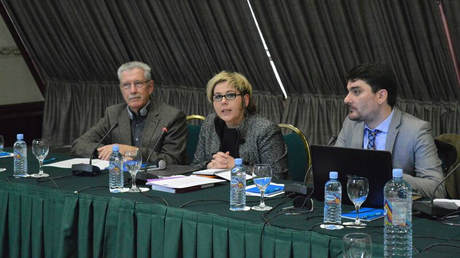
(412, 146)
(171, 148)
(263, 143)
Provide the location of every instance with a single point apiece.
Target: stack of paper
(180, 184)
(218, 172)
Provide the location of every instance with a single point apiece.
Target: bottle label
(17, 154)
(332, 198)
(396, 213)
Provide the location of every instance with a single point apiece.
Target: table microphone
(83, 169)
(428, 207)
(161, 164)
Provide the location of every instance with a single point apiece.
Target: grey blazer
(412, 146)
(263, 143)
(172, 147)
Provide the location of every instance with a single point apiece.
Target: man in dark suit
(374, 122)
(154, 128)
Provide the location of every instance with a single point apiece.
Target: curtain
(77, 45)
(315, 42)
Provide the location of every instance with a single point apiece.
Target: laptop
(376, 166)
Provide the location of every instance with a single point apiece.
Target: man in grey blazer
(374, 122)
(158, 130)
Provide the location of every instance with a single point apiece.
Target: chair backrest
(193, 135)
(299, 158)
(449, 164)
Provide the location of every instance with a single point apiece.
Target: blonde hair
(237, 80)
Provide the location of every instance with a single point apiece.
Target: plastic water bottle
(333, 202)
(20, 157)
(238, 187)
(397, 239)
(115, 170)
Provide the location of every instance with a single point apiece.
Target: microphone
(157, 146)
(83, 169)
(428, 207)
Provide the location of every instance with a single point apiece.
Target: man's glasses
(137, 84)
(228, 96)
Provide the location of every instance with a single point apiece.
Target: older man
(374, 122)
(158, 130)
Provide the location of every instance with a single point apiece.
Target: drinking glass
(357, 189)
(133, 161)
(262, 176)
(40, 149)
(2, 142)
(357, 245)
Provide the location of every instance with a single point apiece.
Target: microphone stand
(84, 169)
(428, 207)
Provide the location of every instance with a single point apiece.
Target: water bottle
(397, 238)
(115, 170)
(238, 187)
(333, 202)
(20, 157)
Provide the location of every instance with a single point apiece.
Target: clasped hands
(221, 160)
(105, 151)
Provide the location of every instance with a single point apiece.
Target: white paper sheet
(210, 172)
(185, 181)
(102, 164)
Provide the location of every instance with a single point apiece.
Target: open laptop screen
(376, 166)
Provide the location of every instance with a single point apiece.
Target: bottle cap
(115, 147)
(238, 162)
(19, 136)
(397, 172)
(333, 175)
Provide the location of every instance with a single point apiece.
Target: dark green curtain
(451, 10)
(78, 45)
(315, 42)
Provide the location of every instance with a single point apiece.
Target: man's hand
(221, 160)
(105, 151)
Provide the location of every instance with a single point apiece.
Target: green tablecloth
(79, 217)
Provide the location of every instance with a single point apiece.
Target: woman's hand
(222, 160)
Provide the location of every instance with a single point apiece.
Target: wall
(21, 102)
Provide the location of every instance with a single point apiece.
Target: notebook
(376, 166)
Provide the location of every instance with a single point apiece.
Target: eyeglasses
(137, 84)
(228, 96)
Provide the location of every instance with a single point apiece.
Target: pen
(48, 160)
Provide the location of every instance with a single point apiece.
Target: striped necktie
(371, 134)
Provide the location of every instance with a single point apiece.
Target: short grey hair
(135, 64)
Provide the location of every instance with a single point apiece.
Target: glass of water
(357, 245)
(133, 161)
(262, 176)
(357, 190)
(40, 149)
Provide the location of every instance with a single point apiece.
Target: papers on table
(450, 204)
(272, 190)
(365, 214)
(102, 164)
(180, 183)
(210, 172)
(5, 154)
(219, 172)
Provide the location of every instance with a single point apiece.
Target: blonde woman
(236, 131)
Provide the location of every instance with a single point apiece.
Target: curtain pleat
(77, 46)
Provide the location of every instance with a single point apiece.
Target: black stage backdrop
(77, 45)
